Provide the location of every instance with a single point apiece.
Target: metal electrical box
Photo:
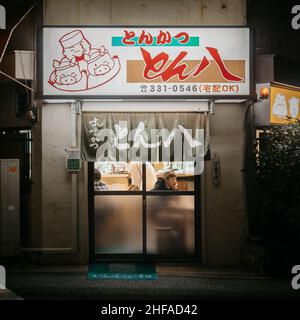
(9, 207)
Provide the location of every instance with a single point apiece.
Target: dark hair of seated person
(97, 175)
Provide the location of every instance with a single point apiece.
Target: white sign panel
(137, 62)
(73, 153)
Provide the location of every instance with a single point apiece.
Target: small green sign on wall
(73, 161)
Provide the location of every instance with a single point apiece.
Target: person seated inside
(168, 181)
(136, 176)
(98, 184)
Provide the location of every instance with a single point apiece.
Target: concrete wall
(56, 206)
(57, 190)
(145, 12)
(223, 208)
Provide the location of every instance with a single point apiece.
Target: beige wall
(223, 209)
(56, 191)
(145, 12)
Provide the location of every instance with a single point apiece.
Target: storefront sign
(284, 104)
(151, 62)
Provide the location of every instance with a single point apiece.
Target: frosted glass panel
(170, 224)
(118, 224)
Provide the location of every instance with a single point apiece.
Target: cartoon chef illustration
(76, 49)
(82, 66)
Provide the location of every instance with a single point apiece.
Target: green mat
(122, 271)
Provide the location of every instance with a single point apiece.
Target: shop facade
(66, 217)
(139, 82)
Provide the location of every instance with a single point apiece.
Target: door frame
(196, 257)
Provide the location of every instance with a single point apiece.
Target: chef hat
(71, 38)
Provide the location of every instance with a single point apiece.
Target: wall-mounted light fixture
(264, 94)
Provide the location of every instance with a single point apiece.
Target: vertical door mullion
(197, 215)
(144, 209)
(91, 200)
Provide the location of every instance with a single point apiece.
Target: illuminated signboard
(284, 104)
(145, 62)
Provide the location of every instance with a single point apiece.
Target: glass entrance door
(144, 211)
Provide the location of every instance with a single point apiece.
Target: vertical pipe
(74, 144)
